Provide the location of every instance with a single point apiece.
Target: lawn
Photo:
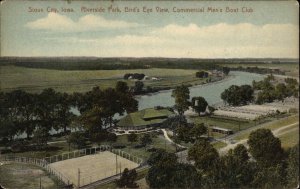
(17, 175)
(62, 147)
(290, 137)
(272, 125)
(53, 149)
(227, 123)
(158, 142)
(218, 145)
(35, 80)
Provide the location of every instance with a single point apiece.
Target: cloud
(215, 41)
(57, 22)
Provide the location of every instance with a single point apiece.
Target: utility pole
(120, 170)
(116, 164)
(40, 181)
(78, 185)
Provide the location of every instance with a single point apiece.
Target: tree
(46, 109)
(198, 130)
(265, 148)
(201, 74)
(281, 91)
(77, 139)
(64, 116)
(110, 104)
(199, 104)
(182, 96)
(138, 87)
(204, 155)
(40, 138)
(238, 95)
(122, 87)
(127, 179)
(146, 139)
(233, 171)
(111, 137)
(293, 167)
(269, 177)
(93, 120)
(132, 137)
(211, 109)
(182, 133)
(240, 151)
(166, 172)
(226, 70)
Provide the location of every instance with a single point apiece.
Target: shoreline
(193, 86)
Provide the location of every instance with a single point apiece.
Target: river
(211, 91)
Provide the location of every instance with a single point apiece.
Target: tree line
(255, 69)
(38, 114)
(264, 165)
(85, 63)
(268, 91)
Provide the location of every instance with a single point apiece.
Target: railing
(127, 156)
(45, 163)
(77, 153)
(90, 151)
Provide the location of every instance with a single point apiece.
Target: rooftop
(145, 117)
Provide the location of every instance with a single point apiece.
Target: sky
(268, 29)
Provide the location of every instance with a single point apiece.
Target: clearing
(92, 167)
(18, 175)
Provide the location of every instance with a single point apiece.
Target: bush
(139, 146)
(119, 146)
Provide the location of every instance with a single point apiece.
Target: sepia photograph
(107, 94)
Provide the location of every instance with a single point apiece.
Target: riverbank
(210, 91)
(222, 79)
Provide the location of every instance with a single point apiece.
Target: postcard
(149, 94)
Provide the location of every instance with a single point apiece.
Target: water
(211, 92)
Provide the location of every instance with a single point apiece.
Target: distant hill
(96, 63)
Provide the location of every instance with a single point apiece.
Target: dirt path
(170, 140)
(276, 132)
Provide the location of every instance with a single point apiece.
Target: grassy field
(35, 80)
(272, 125)
(158, 142)
(53, 149)
(291, 69)
(227, 123)
(62, 147)
(16, 175)
(218, 145)
(289, 137)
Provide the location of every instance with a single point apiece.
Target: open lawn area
(272, 125)
(62, 147)
(35, 80)
(226, 123)
(17, 175)
(52, 149)
(289, 137)
(219, 144)
(158, 142)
